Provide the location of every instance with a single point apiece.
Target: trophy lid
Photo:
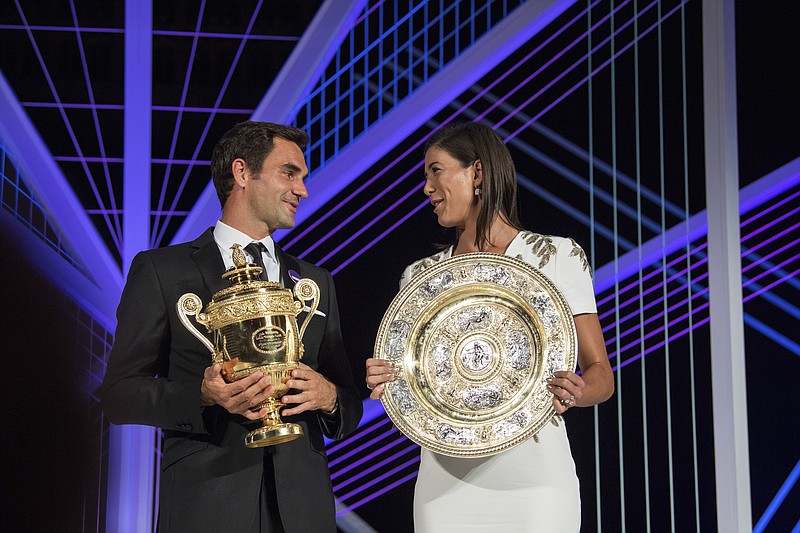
(244, 273)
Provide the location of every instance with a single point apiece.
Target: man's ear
(239, 171)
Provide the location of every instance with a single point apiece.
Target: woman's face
(451, 189)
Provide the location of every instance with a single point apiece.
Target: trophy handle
(306, 289)
(189, 305)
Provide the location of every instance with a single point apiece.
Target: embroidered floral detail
(541, 245)
(578, 251)
(424, 264)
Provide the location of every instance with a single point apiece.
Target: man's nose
(300, 190)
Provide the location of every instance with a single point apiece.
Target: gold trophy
(254, 326)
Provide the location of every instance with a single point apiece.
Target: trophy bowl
(254, 328)
(472, 341)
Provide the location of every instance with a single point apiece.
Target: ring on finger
(568, 401)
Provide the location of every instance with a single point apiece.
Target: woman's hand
(596, 382)
(378, 373)
(567, 388)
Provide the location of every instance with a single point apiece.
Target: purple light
(657, 316)
(371, 223)
(766, 288)
(701, 293)
(357, 451)
(336, 446)
(378, 479)
(640, 296)
(763, 243)
(120, 160)
(632, 315)
(92, 102)
(68, 29)
(213, 114)
(659, 301)
(104, 159)
(195, 109)
(372, 243)
(377, 466)
(595, 71)
(335, 208)
(360, 210)
(388, 230)
(661, 343)
(46, 105)
(114, 234)
(552, 60)
(435, 95)
(767, 257)
(178, 119)
(233, 36)
(414, 147)
(763, 212)
(376, 494)
(636, 282)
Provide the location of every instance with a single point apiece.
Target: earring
(477, 191)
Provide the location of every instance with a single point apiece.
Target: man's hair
(251, 142)
(468, 142)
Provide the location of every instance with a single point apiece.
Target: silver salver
(472, 341)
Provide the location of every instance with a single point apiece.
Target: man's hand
(238, 397)
(316, 392)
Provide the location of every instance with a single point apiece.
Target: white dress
(533, 486)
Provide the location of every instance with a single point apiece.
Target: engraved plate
(269, 339)
(473, 340)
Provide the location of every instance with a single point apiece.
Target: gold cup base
(272, 434)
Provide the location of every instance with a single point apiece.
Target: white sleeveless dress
(533, 486)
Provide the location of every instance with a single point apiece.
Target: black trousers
(268, 519)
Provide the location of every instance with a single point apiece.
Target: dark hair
(252, 142)
(468, 142)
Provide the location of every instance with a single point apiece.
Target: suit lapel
(209, 261)
(288, 264)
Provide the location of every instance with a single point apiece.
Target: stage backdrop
(109, 112)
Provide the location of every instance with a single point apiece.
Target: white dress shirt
(225, 236)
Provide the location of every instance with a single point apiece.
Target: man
(158, 374)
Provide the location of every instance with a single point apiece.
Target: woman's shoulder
(425, 263)
(542, 249)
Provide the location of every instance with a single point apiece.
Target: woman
(471, 183)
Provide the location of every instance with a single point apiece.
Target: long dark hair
(468, 142)
(252, 142)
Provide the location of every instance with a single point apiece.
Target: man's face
(274, 193)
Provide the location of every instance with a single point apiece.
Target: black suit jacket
(209, 480)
